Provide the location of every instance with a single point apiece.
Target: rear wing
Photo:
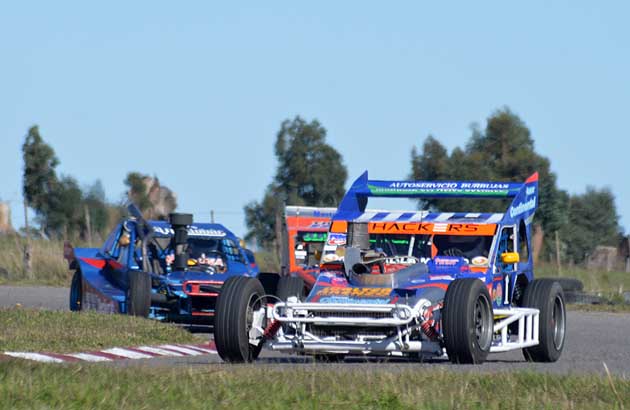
(524, 203)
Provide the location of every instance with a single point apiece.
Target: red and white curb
(119, 353)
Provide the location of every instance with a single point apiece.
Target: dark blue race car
(163, 270)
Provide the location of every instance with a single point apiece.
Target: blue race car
(163, 270)
(410, 284)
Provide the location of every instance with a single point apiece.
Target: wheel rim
(253, 304)
(482, 321)
(558, 322)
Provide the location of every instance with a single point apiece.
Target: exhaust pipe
(180, 224)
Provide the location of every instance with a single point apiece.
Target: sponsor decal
(428, 228)
(522, 207)
(338, 281)
(347, 300)
(336, 239)
(440, 227)
(480, 261)
(355, 292)
(454, 188)
(441, 277)
(442, 261)
(192, 231)
(319, 225)
(323, 214)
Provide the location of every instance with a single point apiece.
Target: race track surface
(593, 338)
(43, 297)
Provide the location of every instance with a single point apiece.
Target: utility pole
(212, 215)
(27, 247)
(558, 254)
(88, 225)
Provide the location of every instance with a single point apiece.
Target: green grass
(67, 332)
(267, 261)
(27, 385)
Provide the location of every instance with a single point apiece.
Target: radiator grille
(371, 315)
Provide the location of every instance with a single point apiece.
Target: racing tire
(290, 286)
(547, 296)
(467, 321)
(232, 320)
(269, 281)
(139, 294)
(76, 292)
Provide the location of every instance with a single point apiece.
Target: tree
(40, 179)
(96, 203)
(310, 172)
(155, 201)
(65, 215)
(504, 151)
(592, 221)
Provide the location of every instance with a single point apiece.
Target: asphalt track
(593, 338)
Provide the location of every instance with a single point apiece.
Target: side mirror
(510, 257)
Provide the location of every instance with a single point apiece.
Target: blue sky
(194, 92)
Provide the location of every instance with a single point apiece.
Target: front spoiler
(390, 346)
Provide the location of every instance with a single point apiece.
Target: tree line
(64, 209)
(310, 172)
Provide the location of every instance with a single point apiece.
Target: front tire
(76, 292)
(139, 294)
(546, 295)
(467, 321)
(240, 296)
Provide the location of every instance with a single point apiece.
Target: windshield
(468, 247)
(197, 247)
(407, 245)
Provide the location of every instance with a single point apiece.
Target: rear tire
(290, 286)
(269, 281)
(546, 295)
(76, 292)
(139, 294)
(467, 321)
(239, 296)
